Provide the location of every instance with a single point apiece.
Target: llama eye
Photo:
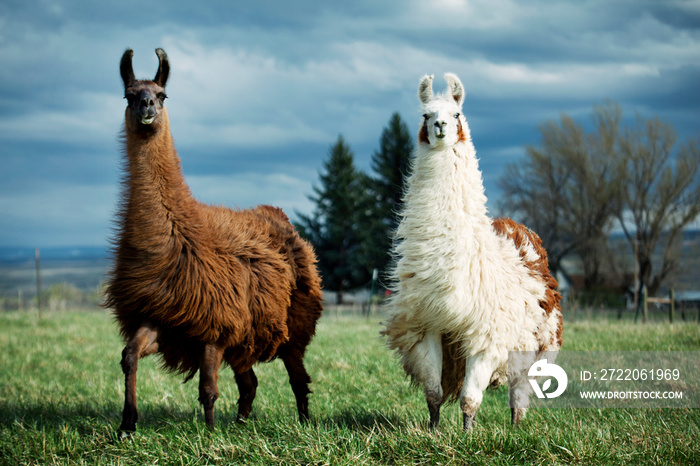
(130, 98)
(162, 96)
(457, 115)
(426, 116)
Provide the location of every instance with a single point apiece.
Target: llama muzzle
(147, 111)
(440, 129)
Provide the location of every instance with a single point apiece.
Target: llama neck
(445, 189)
(157, 198)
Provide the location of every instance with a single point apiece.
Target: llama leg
(209, 364)
(519, 399)
(519, 386)
(144, 342)
(247, 384)
(476, 379)
(425, 363)
(299, 380)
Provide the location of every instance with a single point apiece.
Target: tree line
(575, 187)
(355, 213)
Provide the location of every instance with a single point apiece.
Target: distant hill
(83, 267)
(10, 255)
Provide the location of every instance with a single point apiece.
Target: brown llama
(201, 284)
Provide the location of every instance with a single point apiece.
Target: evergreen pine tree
(334, 226)
(390, 165)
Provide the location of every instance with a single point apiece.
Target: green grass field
(61, 394)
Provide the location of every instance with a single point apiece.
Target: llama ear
(454, 85)
(126, 69)
(425, 90)
(163, 68)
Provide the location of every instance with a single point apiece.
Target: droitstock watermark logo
(544, 369)
(610, 379)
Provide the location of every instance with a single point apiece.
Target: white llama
(466, 289)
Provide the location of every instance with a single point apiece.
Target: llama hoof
(434, 410)
(124, 434)
(240, 419)
(435, 421)
(517, 415)
(467, 422)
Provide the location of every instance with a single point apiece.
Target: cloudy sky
(259, 91)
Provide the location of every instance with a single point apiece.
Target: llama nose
(439, 128)
(148, 102)
(147, 106)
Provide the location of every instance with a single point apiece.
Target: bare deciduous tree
(660, 196)
(565, 191)
(574, 186)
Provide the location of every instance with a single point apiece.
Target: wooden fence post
(671, 309)
(38, 279)
(371, 292)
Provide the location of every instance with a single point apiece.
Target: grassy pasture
(61, 394)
